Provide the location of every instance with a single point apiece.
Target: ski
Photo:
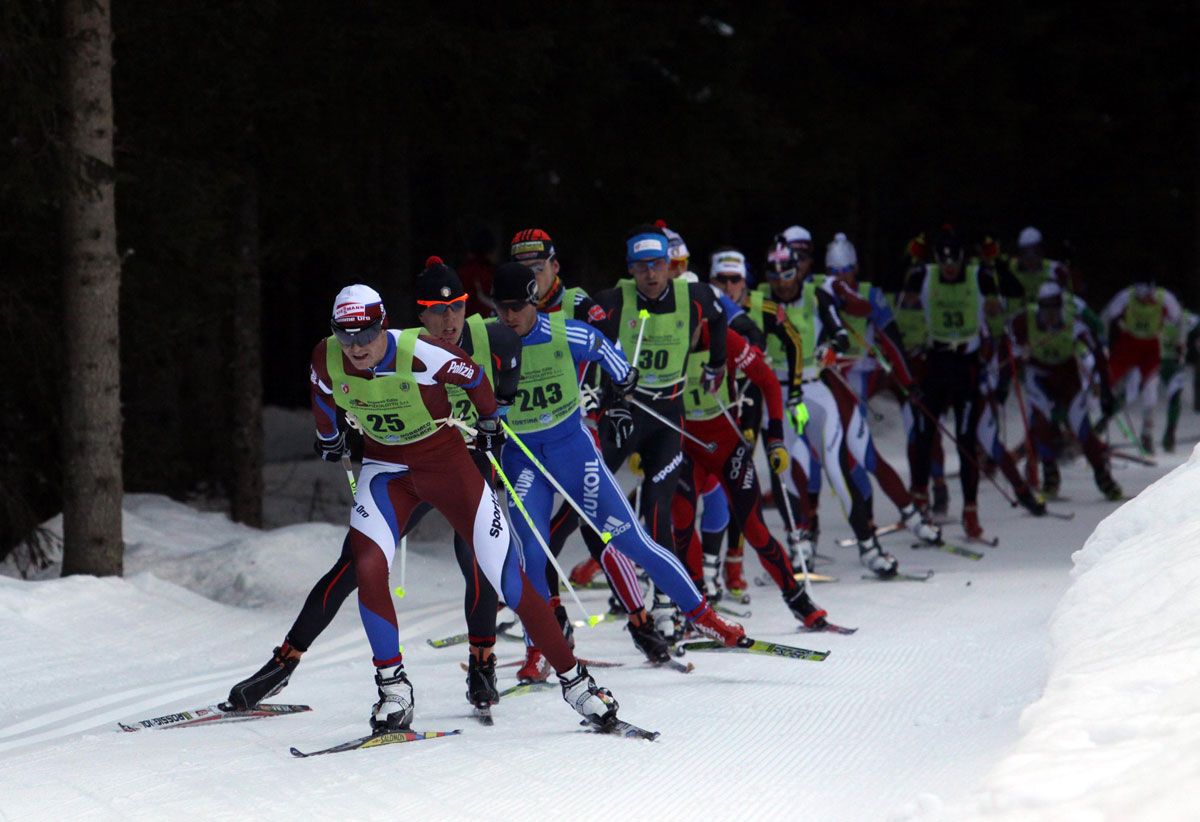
(756, 646)
(850, 542)
(522, 688)
(764, 582)
(376, 740)
(1067, 515)
(733, 612)
(447, 641)
(950, 548)
(211, 714)
(619, 727)
(920, 576)
(674, 665)
(592, 663)
(830, 628)
(990, 542)
(484, 714)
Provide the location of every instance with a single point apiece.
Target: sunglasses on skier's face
(781, 276)
(359, 336)
(728, 279)
(442, 306)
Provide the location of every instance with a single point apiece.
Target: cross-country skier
(392, 386)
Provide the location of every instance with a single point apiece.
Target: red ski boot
(713, 626)
(970, 521)
(584, 572)
(535, 669)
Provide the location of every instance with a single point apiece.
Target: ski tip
(298, 753)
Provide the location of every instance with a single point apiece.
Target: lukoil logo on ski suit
(591, 487)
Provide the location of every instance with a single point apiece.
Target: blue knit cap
(647, 246)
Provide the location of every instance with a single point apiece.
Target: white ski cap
(1048, 291)
(1029, 236)
(840, 253)
(796, 234)
(690, 277)
(357, 305)
(728, 262)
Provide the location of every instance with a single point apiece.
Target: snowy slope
(918, 715)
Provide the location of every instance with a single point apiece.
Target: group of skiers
(681, 379)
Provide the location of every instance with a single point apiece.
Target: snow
(1054, 679)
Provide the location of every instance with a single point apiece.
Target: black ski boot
(1032, 503)
(267, 681)
(1107, 485)
(650, 641)
(481, 681)
(1051, 479)
(564, 622)
(804, 609)
(941, 499)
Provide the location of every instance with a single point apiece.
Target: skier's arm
(589, 345)
(506, 361)
(789, 336)
(325, 411)
(449, 365)
(705, 306)
(745, 326)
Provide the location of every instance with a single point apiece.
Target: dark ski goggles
(358, 336)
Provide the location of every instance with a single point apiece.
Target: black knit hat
(438, 283)
(513, 283)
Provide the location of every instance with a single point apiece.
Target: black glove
(840, 342)
(489, 436)
(625, 387)
(710, 378)
(331, 450)
(620, 422)
(795, 396)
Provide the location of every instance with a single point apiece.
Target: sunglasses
(728, 278)
(786, 274)
(360, 336)
(644, 267)
(440, 306)
(538, 266)
(841, 269)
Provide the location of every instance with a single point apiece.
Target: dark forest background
(353, 139)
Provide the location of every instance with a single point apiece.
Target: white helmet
(1028, 237)
(840, 253)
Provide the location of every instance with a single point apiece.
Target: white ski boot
(872, 555)
(920, 525)
(394, 710)
(595, 704)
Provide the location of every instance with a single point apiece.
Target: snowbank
(1116, 734)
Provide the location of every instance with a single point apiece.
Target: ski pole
(736, 428)
(643, 315)
(516, 499)
(350, 474)
(792, 539)
(707, 446)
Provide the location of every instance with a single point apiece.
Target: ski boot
(481, 681)
(714, 626)
(596, 705)
(394, 710)
(920, 524)
(564, 622)
(1031, 502)
(267, 681)
(941, 498)
(1148, 439)
(535, 669)
(735, 583)
(1168, 442)
(584, 572)
(804, 609)
(711, 583)
(1051, 479)
(803, 543)
(666, 618)
(970, 521)
(1107, 485)
(649, 640)
(872, 555)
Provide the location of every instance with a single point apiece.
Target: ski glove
(331, 450)
(624, 388)
(777, 453)
(710, 378)
(489, 436)
(620, 422)
(841, 341)
(799, 417)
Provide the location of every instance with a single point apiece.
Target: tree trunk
(246, 489)
(91, 436)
